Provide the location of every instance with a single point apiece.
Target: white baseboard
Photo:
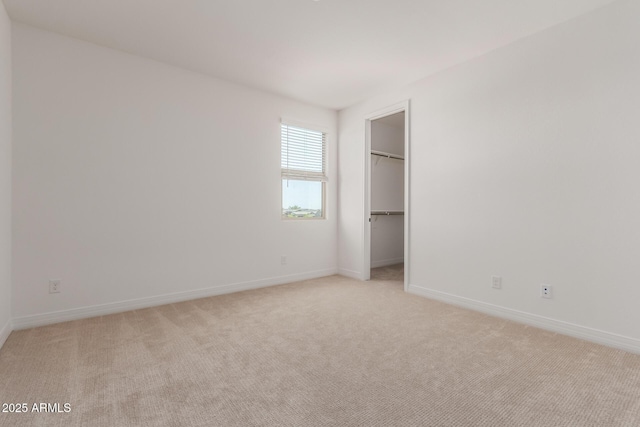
(350, 273)
(5, 332)
(134, 304)
(386, 262)
(594, 335)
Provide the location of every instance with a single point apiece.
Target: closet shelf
(387, 213)
(387, 155)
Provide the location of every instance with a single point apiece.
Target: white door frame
(392, 109)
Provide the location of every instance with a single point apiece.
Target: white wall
(387, 240)
(5, 175)
(134, 179)
(387, 193)
(525, 165)
(386, 137)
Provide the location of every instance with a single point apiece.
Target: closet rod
(387, 155)
(387, 213)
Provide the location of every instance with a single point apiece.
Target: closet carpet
(325, 352)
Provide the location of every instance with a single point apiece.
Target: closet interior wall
(387, 191)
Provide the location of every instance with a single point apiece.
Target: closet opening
(386, 195)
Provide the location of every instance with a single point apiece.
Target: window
(303, 164)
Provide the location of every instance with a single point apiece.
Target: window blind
(303, 154)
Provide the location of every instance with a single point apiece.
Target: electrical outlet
(496, 282)
(545, 291)
(54, 286)
(283, 260)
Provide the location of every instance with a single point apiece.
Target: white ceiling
(332, 53)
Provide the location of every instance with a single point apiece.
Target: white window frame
(299, 174)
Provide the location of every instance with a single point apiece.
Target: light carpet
(325, 352)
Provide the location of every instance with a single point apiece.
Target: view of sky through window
(306, 194)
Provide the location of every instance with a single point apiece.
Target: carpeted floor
(325, 352)
(391, 273)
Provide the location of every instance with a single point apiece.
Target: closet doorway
(386, 195)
